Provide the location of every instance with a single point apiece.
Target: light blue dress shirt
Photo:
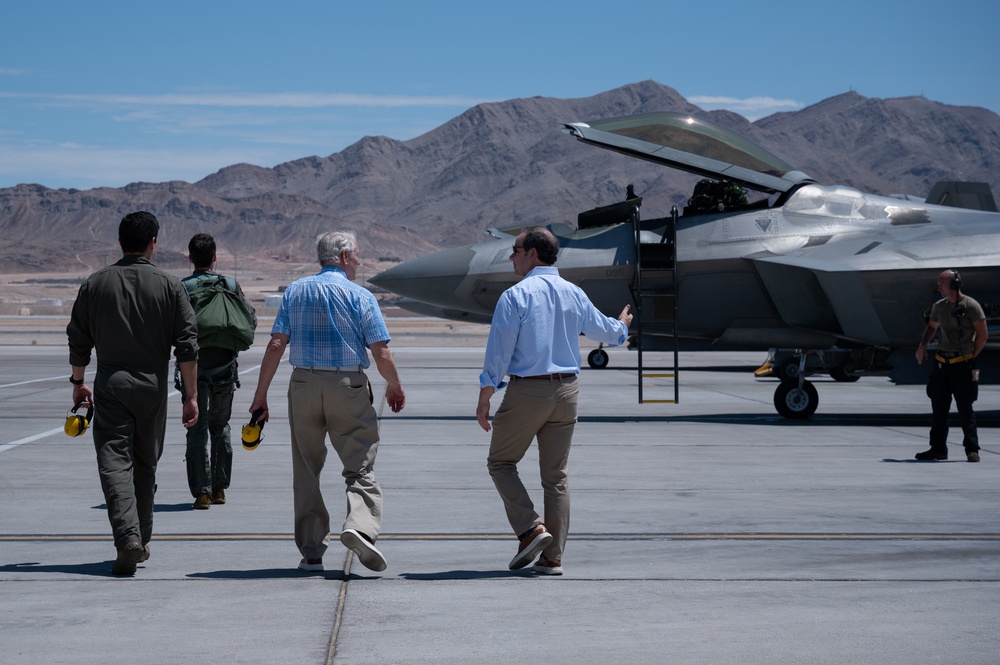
(536, 328)
(329, 320)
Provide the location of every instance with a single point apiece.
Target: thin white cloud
(323, 130)
(186, 136)
(86, 166)
(10, 71)
(248, 99)
(752, 108)
(206, 130)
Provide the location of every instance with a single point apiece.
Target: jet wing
(691, 144)
(823, 296)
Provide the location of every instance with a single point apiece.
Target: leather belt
(545, 376)
(951, 361)
(349, 368)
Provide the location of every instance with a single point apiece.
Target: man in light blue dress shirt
(331, 324)
(534, 338)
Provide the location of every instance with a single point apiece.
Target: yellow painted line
(658, 376)
(659, 401)
(507, 536)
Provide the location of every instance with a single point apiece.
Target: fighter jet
(821, 276)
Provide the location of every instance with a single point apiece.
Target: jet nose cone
(433, 278)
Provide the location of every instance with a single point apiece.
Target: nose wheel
(796, 399)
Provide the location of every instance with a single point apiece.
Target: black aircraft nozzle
(253, 432)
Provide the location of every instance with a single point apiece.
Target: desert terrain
(34, 307)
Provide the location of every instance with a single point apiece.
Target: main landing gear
(795, 397)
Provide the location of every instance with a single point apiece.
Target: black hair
(136, 230)
(202, 250)
(539, 239)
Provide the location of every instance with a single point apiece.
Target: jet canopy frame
(696, 145)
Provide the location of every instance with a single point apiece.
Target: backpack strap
(192, 282)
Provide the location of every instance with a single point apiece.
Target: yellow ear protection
(77, 425)
(253, 432)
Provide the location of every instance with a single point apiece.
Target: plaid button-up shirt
(329, 320)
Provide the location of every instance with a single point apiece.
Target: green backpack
(225, 320)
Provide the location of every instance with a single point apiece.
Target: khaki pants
(337, 404)
(545, 408)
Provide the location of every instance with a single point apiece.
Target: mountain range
(498, 164)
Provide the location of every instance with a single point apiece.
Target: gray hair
(329, 246)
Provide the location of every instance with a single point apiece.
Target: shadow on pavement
(267, 574)
(97, 569)
(158, 507)
(920, 461)
(984, 419)
(468, 575)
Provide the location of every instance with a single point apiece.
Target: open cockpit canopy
(692, 144)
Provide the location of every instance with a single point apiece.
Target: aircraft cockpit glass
(698, 136)
(837, 205)
(692, 144)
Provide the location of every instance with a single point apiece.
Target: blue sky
(108, 93)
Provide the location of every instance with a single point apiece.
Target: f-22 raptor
(823, 277)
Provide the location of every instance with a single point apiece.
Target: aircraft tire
(788, 370)
(794, 402)
(597, 359)
(840, 373)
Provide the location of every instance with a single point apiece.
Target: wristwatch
(76, 382)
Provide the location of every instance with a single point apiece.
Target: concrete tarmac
(712, 531)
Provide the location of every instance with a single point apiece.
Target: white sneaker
(368, 554)
(315, 567)
(545, 567)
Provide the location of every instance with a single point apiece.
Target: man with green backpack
(226, 324)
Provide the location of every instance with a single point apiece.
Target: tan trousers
(546, 409)
(337, 404)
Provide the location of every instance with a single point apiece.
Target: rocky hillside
(496, 165)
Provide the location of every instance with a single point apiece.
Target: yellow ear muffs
(76, 425)
(253, 432)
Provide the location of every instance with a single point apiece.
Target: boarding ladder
(654, 290)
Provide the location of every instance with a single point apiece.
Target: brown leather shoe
(128, 557)
(203, 502)
(218, 495)
(145, 554)
(529, 545)
(972, 456)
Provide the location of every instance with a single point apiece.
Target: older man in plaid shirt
(331, 323)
